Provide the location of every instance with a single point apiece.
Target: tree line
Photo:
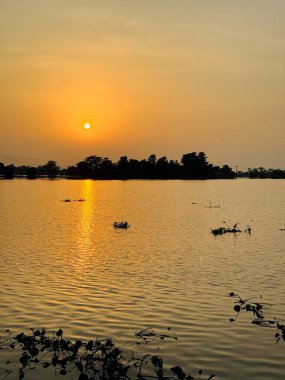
(263, 173)
(191, 166)
(50, 170)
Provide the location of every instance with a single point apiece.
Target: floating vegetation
(213, 206)
(247, 229)
(148, 335)
(74, 200)
(122, 225)
(234, 229)
(92, 360)
(257, 310)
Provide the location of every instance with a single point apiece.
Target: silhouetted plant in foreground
(234, 229)
(92, 360)
(257, 310)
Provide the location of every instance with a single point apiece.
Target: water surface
(63, 265)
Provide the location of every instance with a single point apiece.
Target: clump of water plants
(92, 360)
(227, 229)
(148, 335)
(256, 308)
(67, 200)
(121, 225)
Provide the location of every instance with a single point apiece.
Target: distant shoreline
(194, 166)
(17, 178)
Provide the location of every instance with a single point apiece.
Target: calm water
(63, 265)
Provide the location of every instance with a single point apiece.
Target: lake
(64, 266)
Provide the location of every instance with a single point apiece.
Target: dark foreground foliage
(256, 308)
(92, 360)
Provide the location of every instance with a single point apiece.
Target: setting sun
(87, 125)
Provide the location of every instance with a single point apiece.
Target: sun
(86, 125)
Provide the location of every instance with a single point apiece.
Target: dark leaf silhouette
(178, 372)
(59, 333)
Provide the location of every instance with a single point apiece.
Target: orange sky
(164, 77)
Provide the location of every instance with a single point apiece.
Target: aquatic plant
(257, 310)
(234, 229)
(148, 335)
(92, 360)
(213, 205)
(74, 200)
(122, 225)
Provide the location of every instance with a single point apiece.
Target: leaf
(21, 374)
(178, 372)
(59, 333)
(237, 308)
(34, 351)
(79, 366)
(157, 362)
(54, 360)
(24, 359)
(89, 345)
(83, 376)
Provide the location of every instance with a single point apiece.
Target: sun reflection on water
(85, 244)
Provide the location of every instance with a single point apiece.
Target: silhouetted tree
(51, 169)
(123, 167)
(195, 166)
(192, 166)
(9, 171)
(31, 173)
(2, 167)
(224, 172)
(107, 169)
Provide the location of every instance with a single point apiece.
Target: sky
(151, 76)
